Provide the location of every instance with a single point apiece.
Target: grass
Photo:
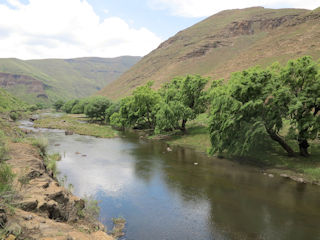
(41, 143)
(119, 225)
(270, 157)
(73, 123)
(50, 162)
(64, 79)
(9, 103)
(238, 52)
(91, 210)
(6, 178)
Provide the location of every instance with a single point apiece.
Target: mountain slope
(8, 102)
(226, 42)
(49, 79)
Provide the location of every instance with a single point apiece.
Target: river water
(166, 196)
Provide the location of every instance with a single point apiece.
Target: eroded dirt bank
(43, 208)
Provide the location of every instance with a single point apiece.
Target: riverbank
(76, 123)
(37, 206)
(270, 160)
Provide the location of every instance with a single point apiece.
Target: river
(182, 194)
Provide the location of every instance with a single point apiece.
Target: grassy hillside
(49, 79)
(226, 42)
(9, 103)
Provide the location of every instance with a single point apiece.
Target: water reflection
(163, 195)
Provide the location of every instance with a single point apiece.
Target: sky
(37, 29)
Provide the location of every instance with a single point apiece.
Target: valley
(214, 134)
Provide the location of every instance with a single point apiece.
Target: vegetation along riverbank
(269, 117)
(33, 204)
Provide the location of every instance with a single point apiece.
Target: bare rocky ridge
(226, 42)
(45, 210)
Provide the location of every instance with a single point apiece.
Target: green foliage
(32, 108)
(114, 108)
(91, 210)
(79, 107)
(96, 108)
(300, 81)
(3, 147)
(255, 103)
(9, 103)
(67, 107)
(238, 112)
(41, 143)
(51, 163)
(138, 110)
(14, 115)
(74, 124)
(143, 107)
(58, 104)
(183, 99)
(6, 177)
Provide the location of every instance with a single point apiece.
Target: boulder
(284, 175)
(34, 174)
(54, 211)
(33, 118)
(68, 132)
(29, 205)
(60, 197)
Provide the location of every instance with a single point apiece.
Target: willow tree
(183, 99)
(244, 112)
(138, 110)
(300, 81)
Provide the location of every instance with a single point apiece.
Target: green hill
(226, 42)
(50, 79)
(9, 103)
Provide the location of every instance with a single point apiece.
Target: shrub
(58, 104)
(67, 107)
(14, 115)
(97, 107)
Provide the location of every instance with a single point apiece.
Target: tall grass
(6, 178)
(41, 143)
(3, 147)
(51, 163)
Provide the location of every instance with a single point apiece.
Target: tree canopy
(256, 102)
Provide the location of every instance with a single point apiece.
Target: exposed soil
(44, 209)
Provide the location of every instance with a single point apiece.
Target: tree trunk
(274, 136)
(183, 125)
(303, 146)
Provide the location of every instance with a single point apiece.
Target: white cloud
(204, 8)
(65, 29)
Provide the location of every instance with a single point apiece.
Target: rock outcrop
(45, 210)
